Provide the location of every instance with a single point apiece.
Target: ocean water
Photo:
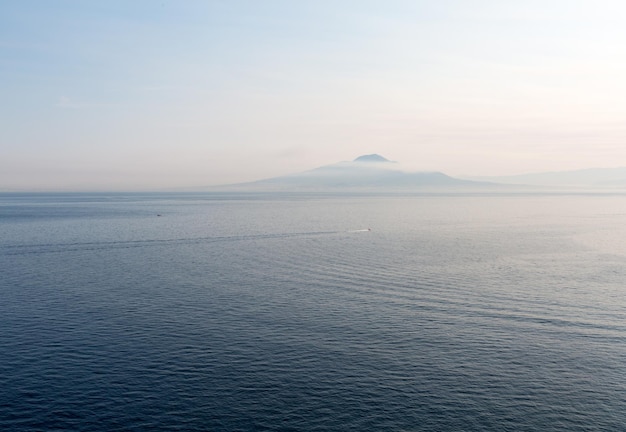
(247, 312)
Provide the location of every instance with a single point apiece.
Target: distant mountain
(371, 158)
(594, 177)
(371, 172)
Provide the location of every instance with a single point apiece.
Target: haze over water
(178, 95)
(283, 312)
(370, 304)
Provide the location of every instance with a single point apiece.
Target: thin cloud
(69, 103)
(65, 102)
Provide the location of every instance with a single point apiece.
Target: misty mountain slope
(593, 177)
(365, 172)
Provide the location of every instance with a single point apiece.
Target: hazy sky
(154, 94)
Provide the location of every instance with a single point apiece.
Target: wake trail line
(86, 246)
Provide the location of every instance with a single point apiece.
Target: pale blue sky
(162, 94)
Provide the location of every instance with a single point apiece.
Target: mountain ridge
(366, 172)
(589, 177)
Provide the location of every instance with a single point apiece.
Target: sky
(166, 94)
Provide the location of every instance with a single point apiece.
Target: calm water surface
(275, 312)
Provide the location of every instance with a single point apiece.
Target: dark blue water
(275, 312)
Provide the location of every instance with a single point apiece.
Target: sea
(313, 312)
